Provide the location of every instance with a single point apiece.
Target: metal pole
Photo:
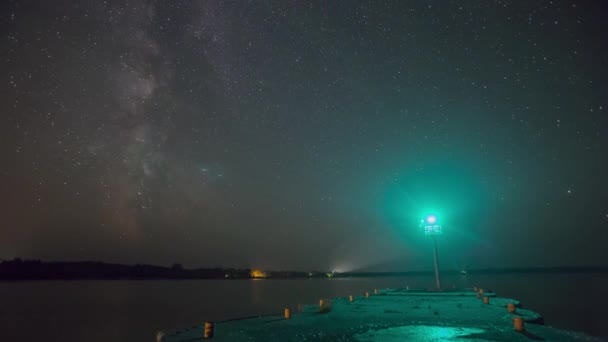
(438, 282)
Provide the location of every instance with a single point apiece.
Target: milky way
(303, 135)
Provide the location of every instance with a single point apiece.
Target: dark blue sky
(303, 135)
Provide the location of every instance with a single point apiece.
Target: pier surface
(391, 315)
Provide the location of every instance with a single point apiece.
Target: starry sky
(305, 134)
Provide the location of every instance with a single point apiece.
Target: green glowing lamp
(431, 226)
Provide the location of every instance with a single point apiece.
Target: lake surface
(135, 310)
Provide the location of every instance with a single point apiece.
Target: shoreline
(35, 270)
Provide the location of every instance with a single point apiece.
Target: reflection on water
(135, 310)
(422, 333)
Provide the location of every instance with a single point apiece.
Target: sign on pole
(432, 230)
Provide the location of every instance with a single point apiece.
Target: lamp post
(432, 229)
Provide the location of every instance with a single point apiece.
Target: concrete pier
(393, 315)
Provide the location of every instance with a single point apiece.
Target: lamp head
(431, 219)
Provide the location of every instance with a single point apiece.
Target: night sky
(305, 135)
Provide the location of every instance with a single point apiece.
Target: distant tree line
(18, 269)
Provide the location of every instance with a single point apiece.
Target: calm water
(134, 310)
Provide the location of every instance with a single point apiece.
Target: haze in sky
(305, 135)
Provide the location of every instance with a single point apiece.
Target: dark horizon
(18, 269)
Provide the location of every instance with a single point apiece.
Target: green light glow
(421, 333)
